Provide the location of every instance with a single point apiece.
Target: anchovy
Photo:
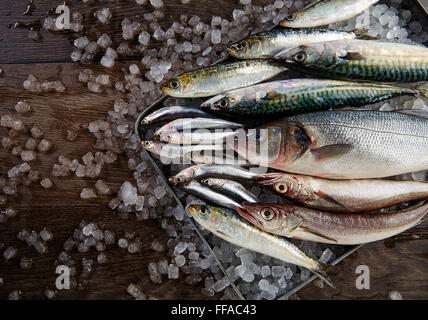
(326, 12)
(231, 188)
(195, 137)
(266, 45)
(174, 112)
(172, 151)
(301, 95)
(344, 195)
(341, 144)
(336, 228)
(194, 124)
(215, 79)
(361, 60)
(229, 226)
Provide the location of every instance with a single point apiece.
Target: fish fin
(423, 92)
(351, 55)
(323, 268)
(331, 151)
(315, 233)
(415, 112)
(331, 199)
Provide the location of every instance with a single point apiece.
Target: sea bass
(301, 95)
(266, 45)
(341, 144)
(323, 12)
(215, 79)
(228, 225)
(336, 228)
(344, 195)
(361, 60)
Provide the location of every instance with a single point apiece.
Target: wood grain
(395, 264)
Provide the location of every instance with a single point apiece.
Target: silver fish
(174, 112)
(172, 151)
(231, 188)
(200, 136)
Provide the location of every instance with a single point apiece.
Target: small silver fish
(174, 112)
(231, 188)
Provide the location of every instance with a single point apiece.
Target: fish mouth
(191, 209)
(164, 89)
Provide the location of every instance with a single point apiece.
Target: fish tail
(321, 272)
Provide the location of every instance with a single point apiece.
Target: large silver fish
(341, 144)
(228, 225)
(323, 12)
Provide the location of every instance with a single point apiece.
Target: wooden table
(399, 263)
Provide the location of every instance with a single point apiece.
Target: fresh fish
(195, 137)
(220, 158)
(340, 144)
(172, 151)
(266, 45)
(215, 79)
(194, 124)
(229, 226)
(301, 95)
(344, 195)
(203, 192)
(325, 12)
(361, 60)
(336, 228)
(211, 170)
(231, 188)
(174, 112)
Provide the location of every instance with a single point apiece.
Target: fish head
(264, 216)
(259, 146)
(213, 182)
(221, 102)
(208, 216)
(183, 177)
(169, 137)
(320, 55)
(151, 146)
(179, 86)
(294, 20)
(286, 184)
(241, 49)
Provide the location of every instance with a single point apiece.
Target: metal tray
(419, 9)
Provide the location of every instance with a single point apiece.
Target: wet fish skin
(322, 13)
(266, 45)
(194, 124)
(301, 95)
(211, 170)
(203, 192)
(174, 112)
(200, 136)
(344, 195)
(172, 151)
(360, 60)
(228, 225)
(327, 227)
(341, 145)
(231, 188)
(215, 79)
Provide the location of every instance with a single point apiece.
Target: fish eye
(223, 103)
(204, 211)
(207, 181)
(174, 84)
(168, 136)
(240, 46)
(291, 17)
(281, 187)
(268, 214)
(179, 179)
(300, 56)
(147, 143)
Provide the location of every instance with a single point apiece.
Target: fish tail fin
(321, 272)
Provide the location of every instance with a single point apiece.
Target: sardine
(228, 225)
(172, 151)
(215, 79)
(194, 124)
(200, 136)
(325, 12)
(341, 144)
(360, 59)
(301, 95)
(231, 188)
(326, 227)
(344, 195)
(174, 112)
(204, 193)
(211, 170)
(266, 45)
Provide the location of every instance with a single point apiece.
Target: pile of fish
(301, 137)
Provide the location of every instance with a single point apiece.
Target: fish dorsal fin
(315, 233)
(331, 199)
(331, 151)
